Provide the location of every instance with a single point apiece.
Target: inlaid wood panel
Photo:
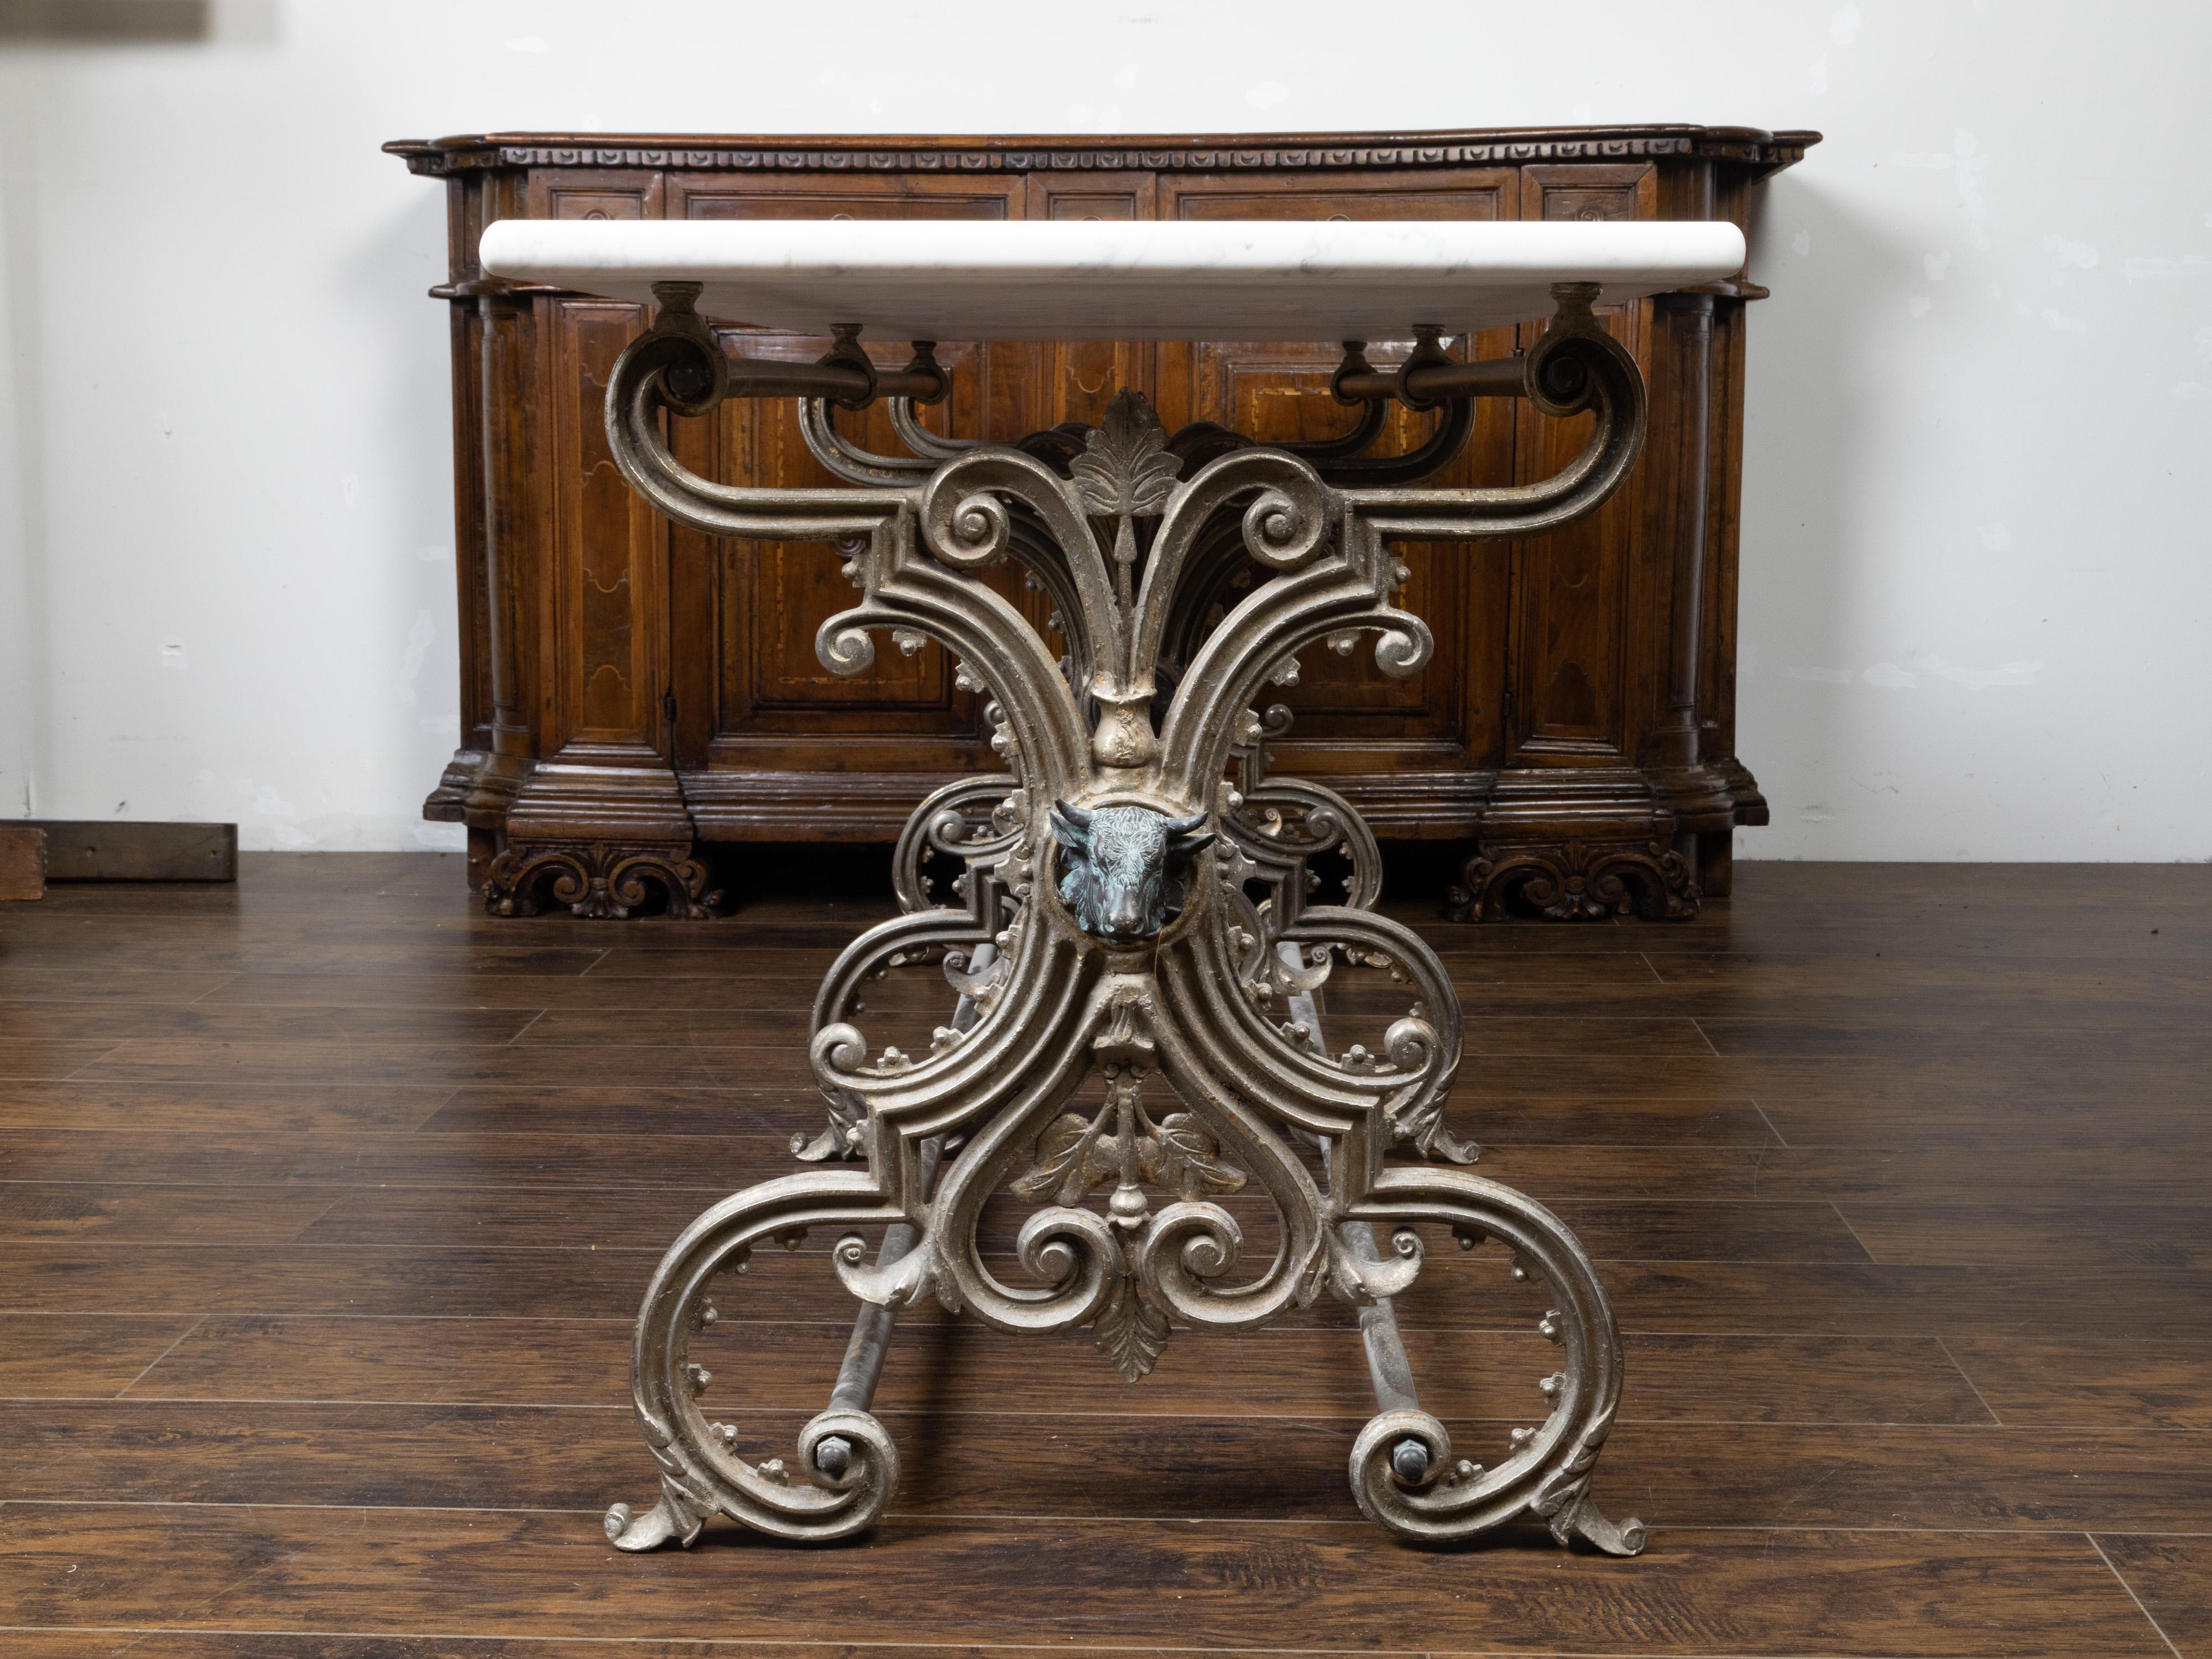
(1589, 192)
(471, 580)
(1569, 671)
(774, 704)
(612, 593)
(1079, 378)
(1485, 194)
(1281, 392)
(596, 193)
(777, 594)
(1272, 391)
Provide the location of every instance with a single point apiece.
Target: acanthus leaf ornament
(1132, 908)
(1065, 1161)
(1125, 472)
(1181, 1155)
(1132, 1332)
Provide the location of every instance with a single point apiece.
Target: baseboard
(23, 861)
(89, 850)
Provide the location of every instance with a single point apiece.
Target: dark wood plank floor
(324, 1203)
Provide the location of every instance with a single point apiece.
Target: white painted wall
(1976, 572)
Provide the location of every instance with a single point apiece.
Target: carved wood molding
(1576, 878)
(1748, 146)
(597, 880)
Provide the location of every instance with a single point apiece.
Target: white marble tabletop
(1086, 280)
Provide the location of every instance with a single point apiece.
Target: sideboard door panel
(776, 708)
(1080, 376)
(611, 594)
(597, 193)
(1280, 391)
(1571, 669)
(1401, 739)
(605, 637)
(777, 594)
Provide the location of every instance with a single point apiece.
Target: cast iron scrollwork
(1134, 920)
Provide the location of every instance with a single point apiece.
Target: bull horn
(1180, 827)
(1072, 826)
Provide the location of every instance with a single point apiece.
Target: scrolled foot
(1397, 1457)
(666, 1521)
(597, 880)
(847, 1454)
(1580, 1519)
(847, 1470)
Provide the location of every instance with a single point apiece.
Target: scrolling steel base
(1109, 924)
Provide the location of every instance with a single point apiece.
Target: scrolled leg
(846, 1468)
(1126, 953)
(1546, 1473)
(843, 1453)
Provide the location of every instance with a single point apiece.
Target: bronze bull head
(1123, 868)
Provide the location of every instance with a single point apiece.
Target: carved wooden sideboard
(630, 691)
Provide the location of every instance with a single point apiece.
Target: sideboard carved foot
(597, 880)
(1575, 879)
